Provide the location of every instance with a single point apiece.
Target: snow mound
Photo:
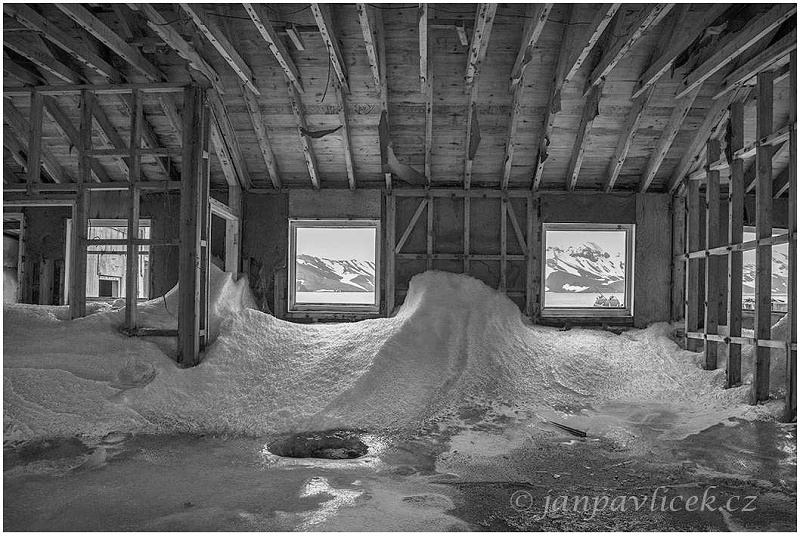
(455, 343)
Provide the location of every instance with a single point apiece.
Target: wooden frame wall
(716, 249)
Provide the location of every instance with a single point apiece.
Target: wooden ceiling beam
(590, 112)
(484, 19)
(32, 48)
(650, 16)
(324, 17)
(221, 44)
(640, 103)
(223, 154)
(782, 182)
(568, 40)
(380, 42)
(229, 138)
(68, 130)
(176, 42)
(112, 40)
(429, 126)
(21, 128)
(765, 59)
(537, 14)
(305, 140)
(422, 14)
(369, 43)
(258, 14)
(295, 37)
(26, 76)
(595, 30)
(109, 135)
(341, 102)
(29, 18)
(750, 173)
(680, 42)
(15, 148)
(736, 44)
(264, 145)
(537, 17)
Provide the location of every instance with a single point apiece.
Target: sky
(612, 242)
(337, 244)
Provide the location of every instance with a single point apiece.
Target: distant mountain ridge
(780, 274)
(321, 274)
(584, 268)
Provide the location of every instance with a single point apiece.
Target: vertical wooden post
(692, 287)
(763, 313)
(389, 251)
(429, 233)
(532, 286)
(233, 230)
(711, 324)
(204, 217)
(791, 355)
(733, 374)
(503, 246)
(22, 255)
(189, 253)
(46, 270)
(77, 293)
(678, 248)
(132, 248)
(35, 141)
(466, 232)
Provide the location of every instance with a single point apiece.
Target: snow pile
(454, 344)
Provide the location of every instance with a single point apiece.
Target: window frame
(333, 308)
(598, 312)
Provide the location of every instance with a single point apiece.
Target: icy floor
(457, 393)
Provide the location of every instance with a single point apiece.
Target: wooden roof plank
(305, 141)
(260, 18)
(423, 47)
(590, 112)
(264, 145)
(220, 42)
(596, 28)
(341, 101)
(110, 136)
(229, 138)
(484, 19)
(736, 45)
(324, 17)
(537, 14)
(650, 16)
(32, 48)
(369, 43)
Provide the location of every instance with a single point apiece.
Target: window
(780, 273)
(333, 265)
(588, 269)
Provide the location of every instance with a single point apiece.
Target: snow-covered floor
(457, 387)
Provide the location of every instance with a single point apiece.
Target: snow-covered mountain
(317, 273)
(584, 268)
(780, 273)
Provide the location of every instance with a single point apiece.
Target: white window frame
(624, 312)
(297, 223)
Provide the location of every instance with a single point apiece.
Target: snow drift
(454, 343)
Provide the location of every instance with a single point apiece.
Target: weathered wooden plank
(733, 373)
(472, 136)
(260, 18)
(484, 19)
(24, 130)
(68, 130)
(739, 43)
(790, 413)
(590, 112)
(692, 287)
(294, 36)
(32, 48)
(324, 17)
(264, 145)
(422, 16)
(678, 265)
(233, 232)
(503, 245)
(369, 42)
(229, 138)
(134, 198)
(429, 124)
(411, 224)
(762, 61)
(380, 41)
(35, 148)
(763, 275)
(466, 237)
(220, 42)
(532, 255)
(515, 225)
(651, 15)
(711, 325)
(341, 102)
(109, 136)
(389, 252)
(537, 14)
(595, 30)
(305, 141)
(626, 139)
(678, 45)
(429, 235)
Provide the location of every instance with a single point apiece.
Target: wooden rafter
(25, 76)
(761, 62)
(229, 138)
(782, 182)
(590, 112)
(220, 42)
(384, 86)
(15, 148)
(422, 15)
(21, 128)
(537, 14)
(341, 102)
(680, 42)
(429, 126)
(68, 130)
(662, 147)
(295, 37)
(171, 37)
(650, 16)
(32, 48)
(641, 102)
(110, 136)
(264, 145)
(224, 157)
(324, 17)
(369, 43)
(554, 102)
(484, 19)
(737, 44)
(596, 29)
(777, 152)
(305, 141)
(260, 18)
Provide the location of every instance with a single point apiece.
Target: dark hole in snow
(330, 444)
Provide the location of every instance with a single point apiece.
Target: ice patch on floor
(454, 343)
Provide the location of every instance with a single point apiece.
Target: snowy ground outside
(579, 299)
(336, 297)
(460, 392)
